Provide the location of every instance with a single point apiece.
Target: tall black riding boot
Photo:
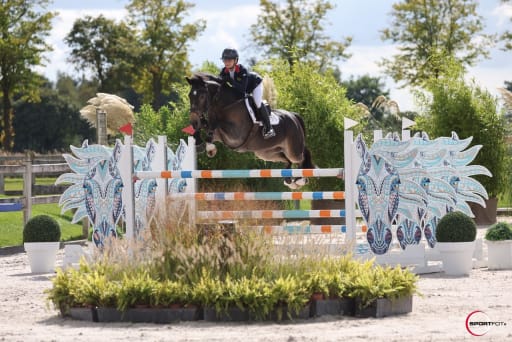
(268, 131)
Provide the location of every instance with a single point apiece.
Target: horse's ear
(188, 80)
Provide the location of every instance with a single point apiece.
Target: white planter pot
(41, 256)
(499, 255)
(457, 257)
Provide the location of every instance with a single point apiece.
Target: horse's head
(378, 183)
(102, 187)
(203, 89)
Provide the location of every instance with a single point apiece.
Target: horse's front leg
(199, 141)
(211, 149)
(288, 181)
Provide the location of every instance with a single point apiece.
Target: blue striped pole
(255, 196)
(268, 214)
(265, 173)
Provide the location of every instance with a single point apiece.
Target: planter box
(110, 315)
(233, 314)
(84, 314)
(485, 216)
(236, 315)
(304, 313)
(383, 307)
(148, 315)
(340, 306)
(499, 255)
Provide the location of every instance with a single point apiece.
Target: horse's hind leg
(306, 163)
(288, 181)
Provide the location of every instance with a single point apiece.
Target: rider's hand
(226, 78)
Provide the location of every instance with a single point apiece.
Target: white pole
(161, 164)
(126, 171)
(190, 163)
(350, 198)
(406, 134)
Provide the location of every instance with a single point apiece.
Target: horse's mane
(204, 77)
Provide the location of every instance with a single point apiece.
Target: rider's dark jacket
(244, 81)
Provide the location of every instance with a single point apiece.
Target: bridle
(205, 114)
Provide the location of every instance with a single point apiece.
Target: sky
(228, 25)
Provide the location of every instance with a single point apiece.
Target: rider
(246, 83)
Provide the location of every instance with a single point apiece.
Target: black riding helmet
(229, 54)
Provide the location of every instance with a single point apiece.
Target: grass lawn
(11, 223)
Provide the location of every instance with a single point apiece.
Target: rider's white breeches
(257, 94)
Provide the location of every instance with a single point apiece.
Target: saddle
(253, 112)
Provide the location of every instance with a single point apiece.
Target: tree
(295, 32)
(53, 124)
(364, 89)
(105, 47)
(430, 31)
(453, 104)
(22, 43)
(507, 35)
(163, 38)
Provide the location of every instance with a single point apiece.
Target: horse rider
(246, 83)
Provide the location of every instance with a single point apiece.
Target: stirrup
(269, 134)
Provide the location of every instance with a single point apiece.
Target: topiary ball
(41, 228)
(498, 232)
(456, 227)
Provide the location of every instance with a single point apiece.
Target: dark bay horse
(221, 111)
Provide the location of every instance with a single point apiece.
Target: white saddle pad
(274, 120)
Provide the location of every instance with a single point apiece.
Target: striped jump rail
(265, 173)
(307, 229)
(302, 229)
(256, 196)
(268, 214)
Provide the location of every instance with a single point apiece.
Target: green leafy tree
(51, 125)
(453, 104)
(295, 31)
(429, 31)
(24, 25)
(75, 91)
(104, 47)
(164, 36)
(364, 89)
(506, 36)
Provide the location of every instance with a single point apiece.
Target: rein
(204, 118)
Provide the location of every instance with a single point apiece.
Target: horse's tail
(269, 91)
(307, 163)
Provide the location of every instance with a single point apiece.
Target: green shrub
(41, 228)
(499, 231)
(456, 227)
(454, 104)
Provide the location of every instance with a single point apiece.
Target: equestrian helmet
(229, 53)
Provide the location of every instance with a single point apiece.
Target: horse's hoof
(211, 150)
(291, 185)
(301, 181)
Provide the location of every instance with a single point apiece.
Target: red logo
(477, 323)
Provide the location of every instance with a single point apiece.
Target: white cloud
(225, 28)
(504, 14)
